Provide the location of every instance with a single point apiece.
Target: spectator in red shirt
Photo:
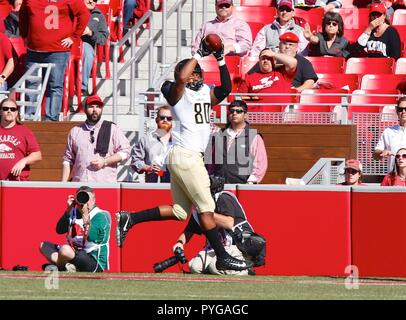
(18, 147)
(50, 28)
(269, 79)
(398, 175)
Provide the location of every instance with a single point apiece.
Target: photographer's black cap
(86, 189)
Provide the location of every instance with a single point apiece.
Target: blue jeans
(88, 58)
(55, 83)
(129, 6)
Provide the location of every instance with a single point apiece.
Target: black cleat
(231, 263)
(123, 226)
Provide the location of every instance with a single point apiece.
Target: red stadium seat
(312, 16)
(381, 82)
(399, 17)
(209, 64)
(352, 35)
(338, 81)
(103, 52)
(256, 3)
(5, 9)
(73, 77)
(363, 66)
(326, 64)
(20, 51)
(211, 69)
(360, 99)
(246, 65)
(354, 18)
(255, 28)
(310, 98)
(255, 14)
(400, 67)
(402, 34)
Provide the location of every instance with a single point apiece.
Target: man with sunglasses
(392, 138)
(95, 147)
(239, 151)
(18, 146)
(149, 153)
(235, 32)
(268, 36)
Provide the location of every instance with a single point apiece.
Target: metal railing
(325, 171)
(137, 54)
(39, 74)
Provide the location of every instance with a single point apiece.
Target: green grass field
(32, 286)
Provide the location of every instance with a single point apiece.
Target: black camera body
(178, 257)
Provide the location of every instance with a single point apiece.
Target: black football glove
(219, 54)
(203, 50)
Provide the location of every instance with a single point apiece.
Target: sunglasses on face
(400, 156)
(224, 5)
(400, 109)
(332, 23)
(286, 9)
(162, 118)
(238, 111)
(12, 109)
(351, 171)
(92, 136)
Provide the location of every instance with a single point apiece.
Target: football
(213, 42)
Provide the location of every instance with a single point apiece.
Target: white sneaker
(70, 267)
(51, 267)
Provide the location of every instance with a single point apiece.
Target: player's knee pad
(179, 212)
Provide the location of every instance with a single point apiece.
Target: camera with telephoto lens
(178, 257)
(82, 197)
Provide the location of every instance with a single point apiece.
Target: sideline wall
(30, 211)
(307, 227)
(149, 243)
(310, 230)
(379, 231)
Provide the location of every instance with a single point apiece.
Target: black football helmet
(196, 84)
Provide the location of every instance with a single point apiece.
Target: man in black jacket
(96, 32)
(239, 151)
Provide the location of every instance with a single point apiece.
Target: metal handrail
(136, 55)
(19, 87)
(131, 62)
(323, 167)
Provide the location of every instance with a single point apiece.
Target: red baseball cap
(353, 164)
(95, 99)
(289, 37)
(224, 1)
(377, 7)
(285, 3)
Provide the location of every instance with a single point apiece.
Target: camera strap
(77, 232)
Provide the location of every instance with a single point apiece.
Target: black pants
(85, 262)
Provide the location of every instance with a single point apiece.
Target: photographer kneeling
(87, 229)
(237, 235)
